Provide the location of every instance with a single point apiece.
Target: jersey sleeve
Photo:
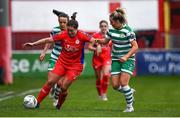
(108, 35)
(58, 37)
(86, 37)
(52, 33)
(131, 36)
(95, 35)
(55, 31)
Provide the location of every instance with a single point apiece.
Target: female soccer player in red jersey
(63, 19)
(69, 63)
(102, 62)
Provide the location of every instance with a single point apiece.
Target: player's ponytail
(73, 22)
(119, 15)
(120, 11)
(73, 17)
(60, 14)
(57, 13)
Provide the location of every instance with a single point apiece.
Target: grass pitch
(156, 96)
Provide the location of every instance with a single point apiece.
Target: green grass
(156, 96)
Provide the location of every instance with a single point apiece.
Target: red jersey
(105, 56)
(106, 49)
(72, 48)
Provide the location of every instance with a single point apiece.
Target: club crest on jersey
(77, 41)
(122, 35)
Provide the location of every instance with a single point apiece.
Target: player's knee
(98, 81)
(50, 83)
(59, 84)
(64, 93)
(107, 76)
(63, 88)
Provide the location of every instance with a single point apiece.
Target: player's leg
(127, 91)
(97, 65)
(105, 80)
(127, 71)
(63, 92)
(57, 91)
(59, 71)
(51, 66)
(115, 74)
(67, 81)
(115, 81)
(98, 81)
(52, 91)
(52, 79)
(62, 98)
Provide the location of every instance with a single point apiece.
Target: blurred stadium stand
(145, 38)
(156, 24)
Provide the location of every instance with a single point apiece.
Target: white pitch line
(6, 94)
(20, 94)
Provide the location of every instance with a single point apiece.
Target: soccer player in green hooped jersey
(63, 19)
(124, 47)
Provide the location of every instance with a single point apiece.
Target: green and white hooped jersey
(56, 49)
(121, 41)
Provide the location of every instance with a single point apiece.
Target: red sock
(99, 86)
(43, 93)
(62, 98)
(105, 83)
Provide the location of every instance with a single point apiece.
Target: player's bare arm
(39, 42)
(43, 53)
(131, 52)
(91, 44)
(92, 48)
(102, 41)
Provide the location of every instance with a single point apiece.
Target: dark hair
(73, 22)
(118, 15)
(103, 21)
(60, 14)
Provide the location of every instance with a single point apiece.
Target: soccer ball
(30, 101)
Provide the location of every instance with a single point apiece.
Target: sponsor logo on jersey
(71, 48)
(77, 41)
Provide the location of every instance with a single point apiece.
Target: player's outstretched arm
(91, 44)
(43, 53)
(92, 48)
(102, 41)
(39, 42)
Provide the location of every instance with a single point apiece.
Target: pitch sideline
(20, 94)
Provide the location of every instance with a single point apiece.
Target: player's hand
(28, 44)
(123, 59)
(98, 50)
(96, 42)
(42, 56)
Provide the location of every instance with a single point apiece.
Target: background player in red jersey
(102, 62)
(70, 62)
